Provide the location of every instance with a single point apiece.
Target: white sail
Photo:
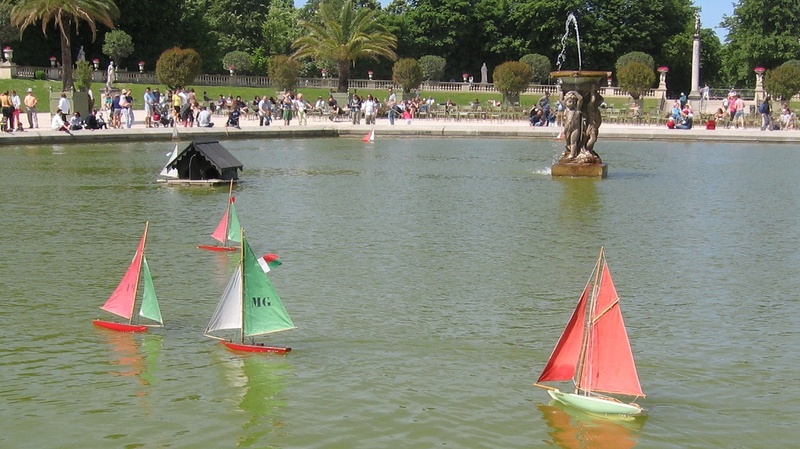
(171, 173)
(229, 310)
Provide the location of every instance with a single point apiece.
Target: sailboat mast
(241, 264)
(228, 214)
(139, 275)
(588, 323)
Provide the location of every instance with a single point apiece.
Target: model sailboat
(370, 137)
(250, 305)
(170, 172)
(228, 231)
(123, 301)
(595, 353)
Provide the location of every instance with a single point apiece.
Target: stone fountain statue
(580, 94)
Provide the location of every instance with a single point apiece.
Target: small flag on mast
(269, 261)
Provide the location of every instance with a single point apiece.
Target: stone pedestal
(579, 170)
(8, 70)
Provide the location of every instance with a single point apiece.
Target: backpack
(764, 108)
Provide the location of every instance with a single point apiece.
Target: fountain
(580, 94)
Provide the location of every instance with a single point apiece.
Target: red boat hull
(241, 347)
(120, 327)
(218, 248)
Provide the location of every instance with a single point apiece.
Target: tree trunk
(344, 75)
(66, 63)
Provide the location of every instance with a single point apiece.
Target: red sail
(221, 233)
(122, 300)
(608, 365)
(564, 358)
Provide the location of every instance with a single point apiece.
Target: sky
(710, 16)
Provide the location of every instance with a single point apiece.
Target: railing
(122, 76)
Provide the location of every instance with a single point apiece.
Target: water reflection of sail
(260, 381)
(132, 358)
(572, 429)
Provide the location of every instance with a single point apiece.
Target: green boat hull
(595, 405)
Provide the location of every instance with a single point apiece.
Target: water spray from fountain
(562, 56)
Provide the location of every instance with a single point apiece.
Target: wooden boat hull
(218, 248)
(120, 327)
(595, 405)
(241, 347)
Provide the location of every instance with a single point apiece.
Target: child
(407, 116)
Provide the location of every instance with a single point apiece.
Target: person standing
(301, 106)
(16, 103)
(264, 111)
(766, 111)
(355, 109)
(739, 117)
(149, 101)
(63, 105)
(391, 103)
(8, 112)
(30, 101)
(286, 107)
(369, 107)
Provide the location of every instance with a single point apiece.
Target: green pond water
(429, 280)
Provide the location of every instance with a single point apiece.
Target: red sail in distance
(221, 233)
(608, 364)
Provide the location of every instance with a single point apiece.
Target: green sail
(149, 307)
(263, 310)
(234, 228)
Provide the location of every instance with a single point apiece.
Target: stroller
(160, 118)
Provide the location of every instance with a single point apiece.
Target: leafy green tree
(64, 14)
(540, 66)
(284, 72)
(148, 22)
(511, 78)
(117, 45)
(345, 34)
(783, 82)
(8, 33)
(236, 24)
(635, 77)
(239, 60)
(279, 29)
(407, 73)
(432, 67)
(178, 67)
(760, 33)
(637, 56)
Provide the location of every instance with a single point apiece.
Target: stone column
(694, 93)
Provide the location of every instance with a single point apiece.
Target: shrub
(432, 67)
(637, 56)
(783, 82)
(540, 66)
(512, 77)
(635, 77)
(178, 67)
(239, 60)
(407, 73)
(38, 75)
(82, 76)
(284, 72)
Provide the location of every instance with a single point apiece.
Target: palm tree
(64, 14)
(343, 34)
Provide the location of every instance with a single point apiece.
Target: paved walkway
(322, 127)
